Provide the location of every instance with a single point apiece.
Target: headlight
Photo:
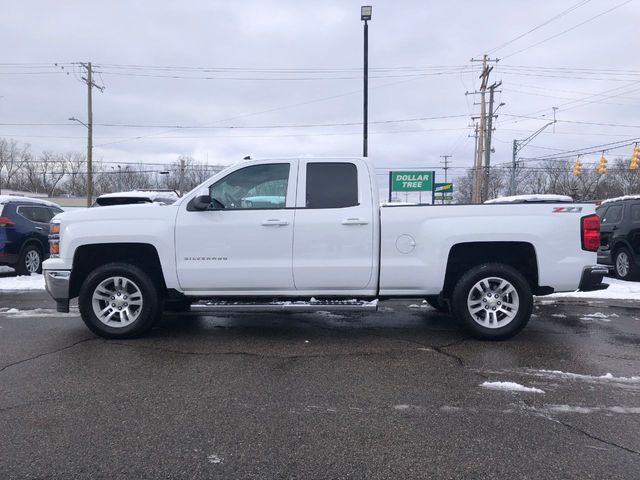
(54, 239)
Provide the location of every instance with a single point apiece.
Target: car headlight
(54, 239)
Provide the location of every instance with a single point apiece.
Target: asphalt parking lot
(394, 394)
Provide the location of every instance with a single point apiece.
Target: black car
(24, 231)
(620, 236)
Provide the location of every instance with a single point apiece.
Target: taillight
(6, 222)
(590, 232)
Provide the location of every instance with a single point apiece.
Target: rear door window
(35, 213)
(635, 213)
(331, 185)
(27, 212)
(613, 214)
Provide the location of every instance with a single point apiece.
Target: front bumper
(57, 283)
(592, 278)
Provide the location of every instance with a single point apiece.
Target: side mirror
(201, 202)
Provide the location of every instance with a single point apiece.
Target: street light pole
(365, 15)
(519, 145)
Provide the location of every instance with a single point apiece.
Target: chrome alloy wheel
(493, 302)
(622, 264)
(32, 261)
(117, 302)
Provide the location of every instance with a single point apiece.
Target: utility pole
(90, 84)
(475, 149)
(480, 147)
(512, 187)
(446, 165)
(477, 184)
(445, 168)
(181, 177)
(487, 150)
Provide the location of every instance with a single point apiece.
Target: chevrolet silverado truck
(310, 234)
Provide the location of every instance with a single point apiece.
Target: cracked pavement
(393, 394)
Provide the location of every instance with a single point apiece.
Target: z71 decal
(566, 210)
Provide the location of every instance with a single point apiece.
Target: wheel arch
(33, 241)
(87, 258)
(464, 256)
(618, 244)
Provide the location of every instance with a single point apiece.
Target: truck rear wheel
(493, 301)
(119, 300)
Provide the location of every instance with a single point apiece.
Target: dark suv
(620, 236)
(24, 230)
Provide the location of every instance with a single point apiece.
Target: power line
(568, 29)
(237, 127)
(537, 27)
(604, 147)
(269, 110)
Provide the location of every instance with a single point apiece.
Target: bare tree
(75, 182)
(12, 158)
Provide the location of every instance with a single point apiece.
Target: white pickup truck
(308, 233)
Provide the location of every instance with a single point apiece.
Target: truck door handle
(354, 221)
(275, 222)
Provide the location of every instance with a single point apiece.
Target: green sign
(411, 181)
(443, 197)
(443, 188)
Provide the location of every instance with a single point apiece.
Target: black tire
(631, 271)
(24, 265)
(149, 314)
(435, 302)
(464, 290)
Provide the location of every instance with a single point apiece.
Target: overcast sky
(271, 63)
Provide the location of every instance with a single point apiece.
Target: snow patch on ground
(23, 282)
(598, 316)
(510, 387)
(559, 315)
(404, 407)
(4, 269)
(585, 410)
(326, 314)
(36, 312)
(607, 377)
(618, 290)
(213, 458)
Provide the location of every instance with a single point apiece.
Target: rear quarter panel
(552, 229)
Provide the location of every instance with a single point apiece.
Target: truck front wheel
(119, 300)
(493, 301)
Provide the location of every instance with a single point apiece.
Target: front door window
(254, 187)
